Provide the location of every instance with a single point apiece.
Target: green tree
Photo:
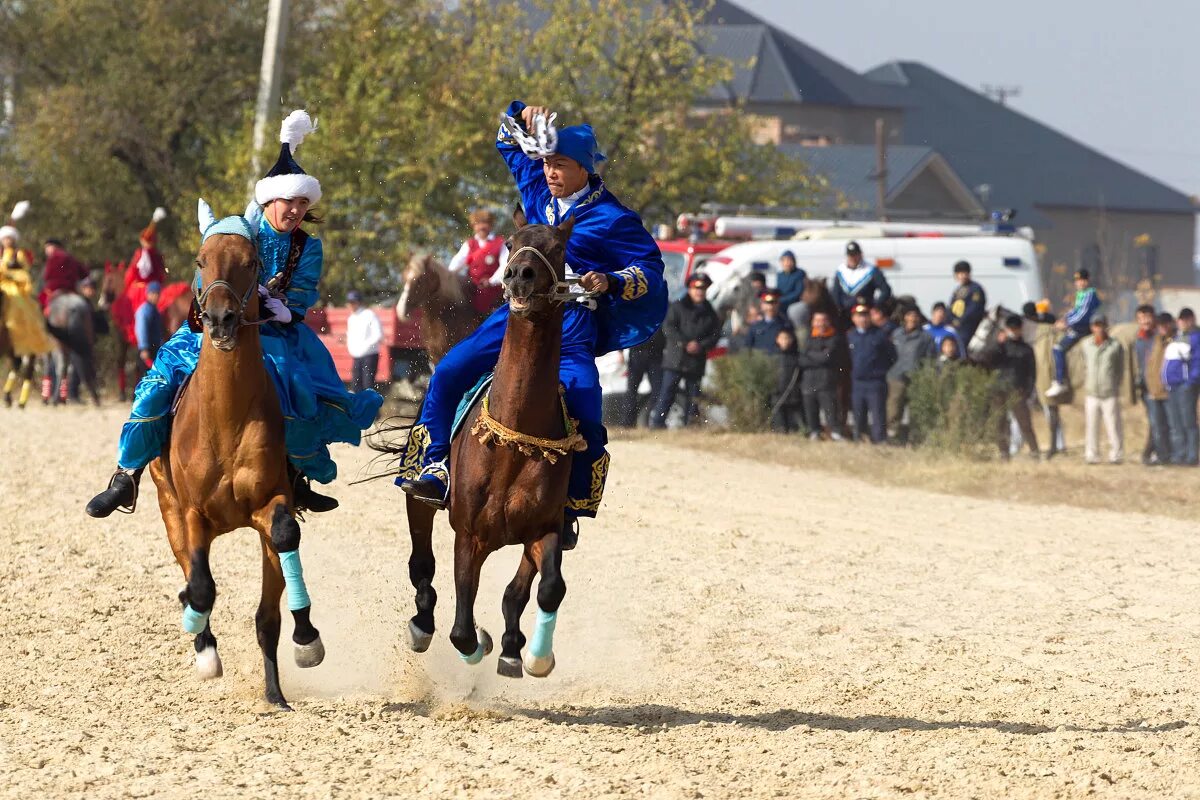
(116, 107)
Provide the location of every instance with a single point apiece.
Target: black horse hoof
(509, 667)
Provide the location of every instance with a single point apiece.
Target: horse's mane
(449, 285)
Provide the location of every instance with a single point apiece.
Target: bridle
(560, 292)
(242, 300)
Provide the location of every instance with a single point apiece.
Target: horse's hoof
(309, 655)
(482, 648)
(509, 667)
(418, 639)
(539, 667)
(208, 664)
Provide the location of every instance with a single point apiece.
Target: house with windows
(949, 151)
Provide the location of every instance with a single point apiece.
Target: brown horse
(175, 302)
(447, 315)
(226, 466)
(509, 485)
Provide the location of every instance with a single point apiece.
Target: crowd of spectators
(845, 372)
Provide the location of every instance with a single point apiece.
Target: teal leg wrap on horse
(293, 576)
(475, 657)
(542, 643)
(194, 621)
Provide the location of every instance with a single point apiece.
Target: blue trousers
(1160, 429)
(666, 397)
(474, 357)
(869, 398)
(1069, 340)
(1181, 417)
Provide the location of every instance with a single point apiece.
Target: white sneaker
(1055, 389)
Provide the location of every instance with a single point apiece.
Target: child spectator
(1076, 325)
(786, 407)
(950, 352)
(148, 327)
(937, 326)
(822, 363)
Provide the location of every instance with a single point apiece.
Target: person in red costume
(481, 261)
(146, 266)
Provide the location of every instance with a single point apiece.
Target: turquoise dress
(317, 408)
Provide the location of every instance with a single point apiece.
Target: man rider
(613, 254)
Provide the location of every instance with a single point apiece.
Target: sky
(1123, 78)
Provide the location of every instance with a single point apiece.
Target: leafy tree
(116, 105)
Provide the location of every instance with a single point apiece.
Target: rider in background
(21, 314)
(481, 262)
(613, 254)
(1077, 324)
(858, 282)
(316, 406)
(148, 327)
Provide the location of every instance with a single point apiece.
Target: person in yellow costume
(19, 310)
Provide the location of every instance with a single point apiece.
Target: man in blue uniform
(872, 354)
(968, 304)
(858, 282)
(1077, 324)
(762, 333)
(611, 252)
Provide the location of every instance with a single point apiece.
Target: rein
(560, 292)
(242, 300)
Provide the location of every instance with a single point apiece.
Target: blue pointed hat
(578, 142)
(287, 179)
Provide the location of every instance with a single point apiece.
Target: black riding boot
(305, 498)
(122, 493)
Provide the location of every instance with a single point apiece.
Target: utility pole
(1001, 93)
(270, 77)
(881, 169)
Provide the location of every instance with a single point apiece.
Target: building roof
(851, 170)
(771, 66)
(1026, 164)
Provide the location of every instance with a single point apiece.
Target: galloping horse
(510, 472)
(447, 314)
(225, 466)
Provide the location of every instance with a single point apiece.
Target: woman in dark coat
(692, 328)
(823, 362)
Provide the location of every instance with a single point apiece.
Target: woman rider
(316, 406)
(19, 310)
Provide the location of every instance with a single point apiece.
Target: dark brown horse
(510, 464)
(447, 316)
(226, 466)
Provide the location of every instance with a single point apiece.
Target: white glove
(273, 309)
(542, 141)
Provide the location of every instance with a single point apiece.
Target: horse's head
(536, 267)
(425, 280)
(226, 277)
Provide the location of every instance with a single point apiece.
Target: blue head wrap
(153, 287)
(211, 226)
(578, 142)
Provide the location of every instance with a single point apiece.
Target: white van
(921, 266)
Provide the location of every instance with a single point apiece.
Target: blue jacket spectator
(968, 304)
(1181, 362)
(789, 281)
(148, 325)
(872, 354)
(858, 281)
(1078, 323)
(761, 335)
(939, 329)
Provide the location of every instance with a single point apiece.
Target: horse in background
(71, 324)
(119, 299)
(447, 315)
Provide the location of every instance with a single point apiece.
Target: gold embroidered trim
(489, 430)
(414, 452)
(592, 501)
(636, 284)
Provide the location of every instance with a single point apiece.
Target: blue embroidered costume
(316, 406)
(607, 237)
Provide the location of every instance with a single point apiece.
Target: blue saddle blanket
(468, 402)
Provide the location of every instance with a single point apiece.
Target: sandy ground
(731, 629)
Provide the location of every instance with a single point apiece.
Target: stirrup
(431, 486)
(305, 499)
(133, 477)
